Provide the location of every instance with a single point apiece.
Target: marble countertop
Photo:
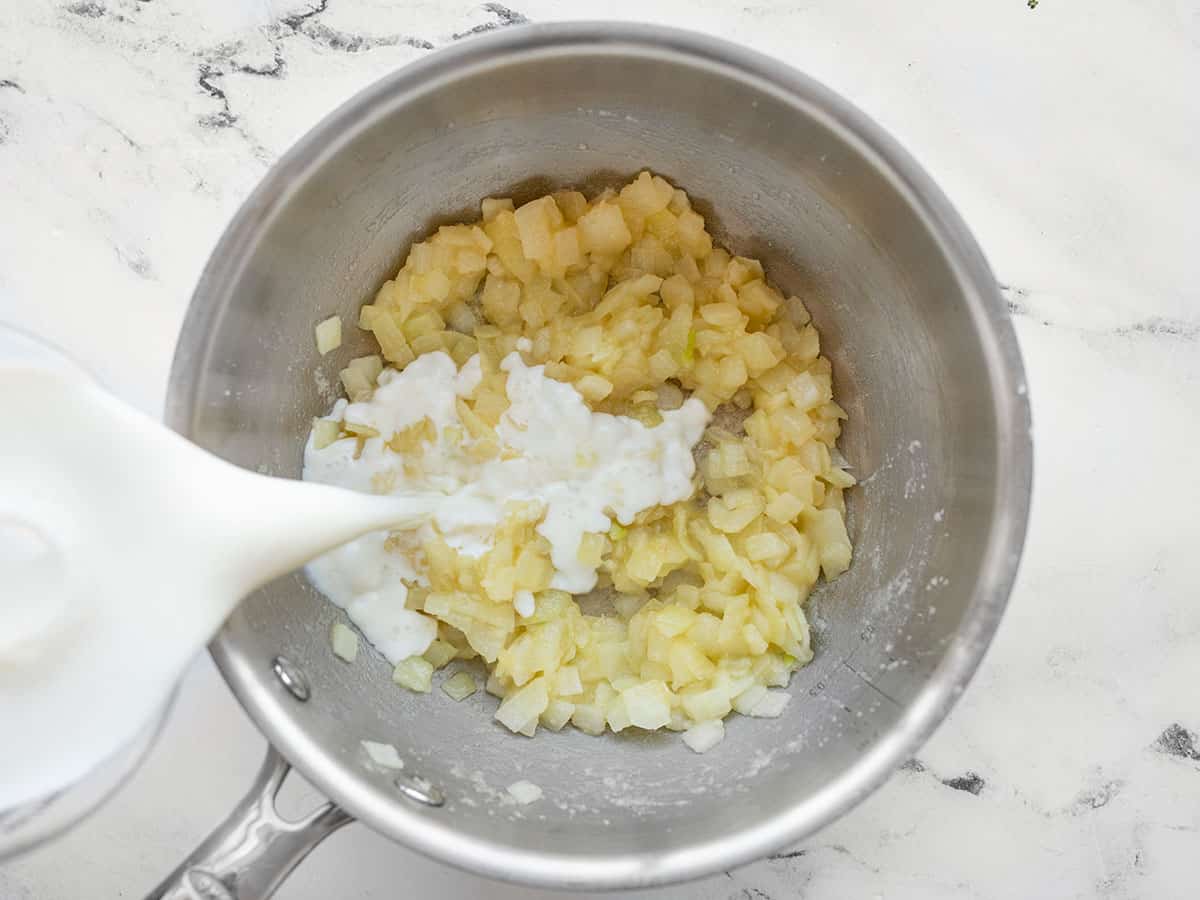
(1068, 135)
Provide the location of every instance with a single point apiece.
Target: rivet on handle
(419, 790)
(291, 678)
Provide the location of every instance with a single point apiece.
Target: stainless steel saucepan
(925, 362)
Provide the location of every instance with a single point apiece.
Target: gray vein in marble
(276, 69)
(306, 24)
(1178, 741)
(116, 129)
(787, 854)
(750, 893)
(224, 118)
(5, 129)
(136, 261)
(348, 42)
(1097, 798)
(1020, 305)
(504, 17)
(295, 21)
(968, 781)
(1015, 298)
(214, 65)
(1157, 326)
(88, 9)
(787, 857)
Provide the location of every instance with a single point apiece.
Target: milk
(122, 549)
(582, 469)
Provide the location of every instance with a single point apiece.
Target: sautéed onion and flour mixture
(611, 406)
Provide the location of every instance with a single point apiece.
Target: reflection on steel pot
(924, 359)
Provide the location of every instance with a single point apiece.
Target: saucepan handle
(248, 856)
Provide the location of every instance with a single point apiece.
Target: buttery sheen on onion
(609, 402)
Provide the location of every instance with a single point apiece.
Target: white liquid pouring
(123, 547)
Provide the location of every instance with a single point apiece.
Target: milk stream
(123, 547)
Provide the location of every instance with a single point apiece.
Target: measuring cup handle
(248, 856)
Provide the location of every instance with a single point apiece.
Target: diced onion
(771, 706)
(525, 792)
(459, 686)
(383, 755)
(705, 736)
(329, 334)
(414, 673)
(344, 641)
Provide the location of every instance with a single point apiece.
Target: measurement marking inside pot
(872, 685)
